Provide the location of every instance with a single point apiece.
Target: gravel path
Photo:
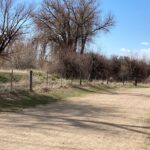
(112, 121)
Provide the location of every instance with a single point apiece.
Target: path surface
(112, 121)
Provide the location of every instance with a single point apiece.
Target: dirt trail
(112, 121)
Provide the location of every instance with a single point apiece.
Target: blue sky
(131, 34)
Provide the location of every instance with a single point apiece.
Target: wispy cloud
(143, 53)
(145, 43)
(125, 50)
(138, 53)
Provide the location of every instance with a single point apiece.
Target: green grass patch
(75, 91)
(6, 77)
(18, 100)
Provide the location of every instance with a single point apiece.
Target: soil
(117, 120)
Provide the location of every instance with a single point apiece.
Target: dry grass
(56, 89)
(21, 81)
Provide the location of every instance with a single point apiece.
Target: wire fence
(28, 80)
(40, 81)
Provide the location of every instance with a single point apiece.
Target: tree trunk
(80, 78)
(30, 78)
(75, 44)
(83, 42)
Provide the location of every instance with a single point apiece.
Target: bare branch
(14, 22)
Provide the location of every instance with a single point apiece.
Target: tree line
(55, 37)
(93, 66)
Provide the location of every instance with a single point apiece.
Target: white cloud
(138, 53)
(145, 50)
(145, 43)
(143, 53)
(125, 50)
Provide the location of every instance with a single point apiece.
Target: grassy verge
(16, 101)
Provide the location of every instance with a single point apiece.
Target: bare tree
(90, 21)
(23, 55)
(71, 24)
(14, 20)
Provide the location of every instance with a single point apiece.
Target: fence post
(47, 78)
(11, 81)
(31, 78)
(61, 85)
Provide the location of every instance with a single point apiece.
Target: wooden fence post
(31, 78)
(11, 81)
(47, 78)
(61, 85)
